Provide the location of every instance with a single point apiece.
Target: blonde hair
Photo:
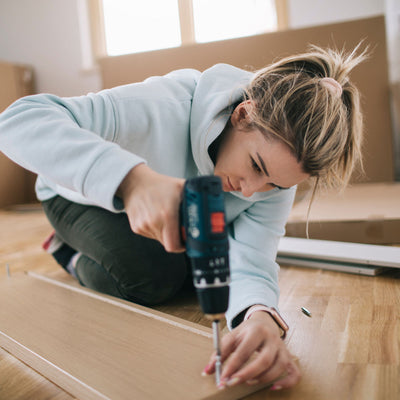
(319, 118)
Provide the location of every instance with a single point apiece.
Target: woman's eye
(255, 166)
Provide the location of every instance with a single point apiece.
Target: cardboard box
(16, 183)
(364, 213)
(16, 81)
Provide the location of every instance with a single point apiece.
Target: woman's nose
(250, 186)
(246, 190)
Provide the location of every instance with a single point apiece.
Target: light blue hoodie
(83, 147)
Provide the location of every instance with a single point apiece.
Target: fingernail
(276, 387)
(252, 381)
(206, 370)
(233, 381)
(221, 385)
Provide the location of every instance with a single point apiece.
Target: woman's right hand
(152, 204)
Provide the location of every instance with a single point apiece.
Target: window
(226, 19)
(129, 26)
(135, 25)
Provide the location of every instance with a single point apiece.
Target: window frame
(97, 29)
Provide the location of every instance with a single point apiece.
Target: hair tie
(332, 85)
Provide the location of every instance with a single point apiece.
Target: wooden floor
(348, 349)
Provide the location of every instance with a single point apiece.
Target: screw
(306, 312)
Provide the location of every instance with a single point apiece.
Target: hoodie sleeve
(69, 142)
(84, 146)
(253, 247)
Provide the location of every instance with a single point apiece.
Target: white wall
(392, 12)
(45, 34)
(304, 13)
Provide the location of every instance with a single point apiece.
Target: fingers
(292, 377)
(283, 372)
(253, 353)
(152, 205)
(237, 358)
(235, 352)
(165, 230)
(170, 237)
(265, 364)
(228, 345)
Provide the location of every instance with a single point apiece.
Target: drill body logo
(193, 221)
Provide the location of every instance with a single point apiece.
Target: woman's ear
(241, 116)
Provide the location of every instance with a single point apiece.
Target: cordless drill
(205, 235)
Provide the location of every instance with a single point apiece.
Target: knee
(155, 287)
(151, 283)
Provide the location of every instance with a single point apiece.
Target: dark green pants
(115, 260)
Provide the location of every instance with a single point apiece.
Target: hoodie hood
(217, 92)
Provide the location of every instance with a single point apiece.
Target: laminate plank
(98, 347)
(18, 382)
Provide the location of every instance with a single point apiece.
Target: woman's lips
(230, 186)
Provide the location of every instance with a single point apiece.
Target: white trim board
(331, 265)
(343, 256)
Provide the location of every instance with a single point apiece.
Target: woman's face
(248, 162)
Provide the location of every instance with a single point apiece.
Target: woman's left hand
(254, 353)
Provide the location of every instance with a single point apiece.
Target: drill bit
(217, 347)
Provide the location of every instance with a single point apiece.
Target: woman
(130, 149)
